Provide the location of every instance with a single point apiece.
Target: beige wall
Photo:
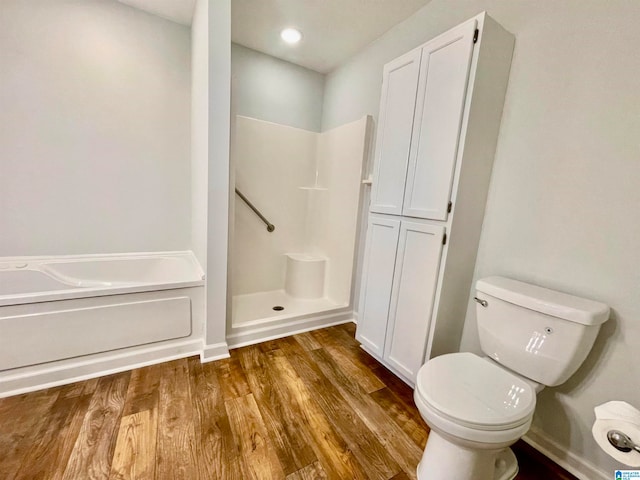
(564, 198)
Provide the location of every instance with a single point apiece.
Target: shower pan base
(258, 308)
(255, 320)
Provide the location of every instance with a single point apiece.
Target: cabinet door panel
(414, 286)
(393, 141)
(377, 279)
(439, 110)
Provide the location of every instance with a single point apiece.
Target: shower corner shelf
(317, 189)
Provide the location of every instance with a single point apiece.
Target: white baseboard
(257, 334)
(39, 377)
(46, 376)
(216, 351)
(575, 465)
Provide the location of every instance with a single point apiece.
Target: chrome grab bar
(270, 226)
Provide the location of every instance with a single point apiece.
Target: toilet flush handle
(484, 303)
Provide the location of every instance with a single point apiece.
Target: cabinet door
(377, 279)
(414, 286)
(393, 141)
(444, 74)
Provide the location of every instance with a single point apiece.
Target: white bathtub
(40, 279)
(63, 314)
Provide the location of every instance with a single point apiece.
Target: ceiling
(180, 11)
(333, 30)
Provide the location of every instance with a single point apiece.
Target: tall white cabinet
(439, 120)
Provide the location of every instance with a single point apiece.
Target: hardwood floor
(310, 406)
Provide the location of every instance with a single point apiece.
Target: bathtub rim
(98, 291)
(99, 256)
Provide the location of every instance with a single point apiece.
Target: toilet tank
(539, 333)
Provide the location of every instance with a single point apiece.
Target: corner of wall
(219, 101)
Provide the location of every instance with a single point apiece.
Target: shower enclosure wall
(308, 186)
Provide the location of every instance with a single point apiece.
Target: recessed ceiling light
(291, 35)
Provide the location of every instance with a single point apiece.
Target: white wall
(332, 214)
(267, 88)
(564, 198)
(219, 130)
(272, 161)
(200, 137)
(94, 129)
(199, 129)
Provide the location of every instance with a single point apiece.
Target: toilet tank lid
(550, 302)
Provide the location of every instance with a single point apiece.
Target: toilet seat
(474, 394)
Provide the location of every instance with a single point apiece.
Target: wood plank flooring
(311, 406)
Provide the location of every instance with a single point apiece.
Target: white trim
(217, 351)
(572, 463)
(258, 335)
(86, 369)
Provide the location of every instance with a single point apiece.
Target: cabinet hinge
(444, 239)
(475, 36)
(449, 207)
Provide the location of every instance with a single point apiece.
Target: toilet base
(506, 465)
(442, 460)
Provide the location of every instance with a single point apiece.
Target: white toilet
(478, 406)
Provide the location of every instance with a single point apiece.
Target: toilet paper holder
(621, 441)
(616, 423)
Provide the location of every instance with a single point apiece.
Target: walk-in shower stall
(295, 225)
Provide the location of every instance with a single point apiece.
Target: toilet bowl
(475, 410)
(477, 406)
